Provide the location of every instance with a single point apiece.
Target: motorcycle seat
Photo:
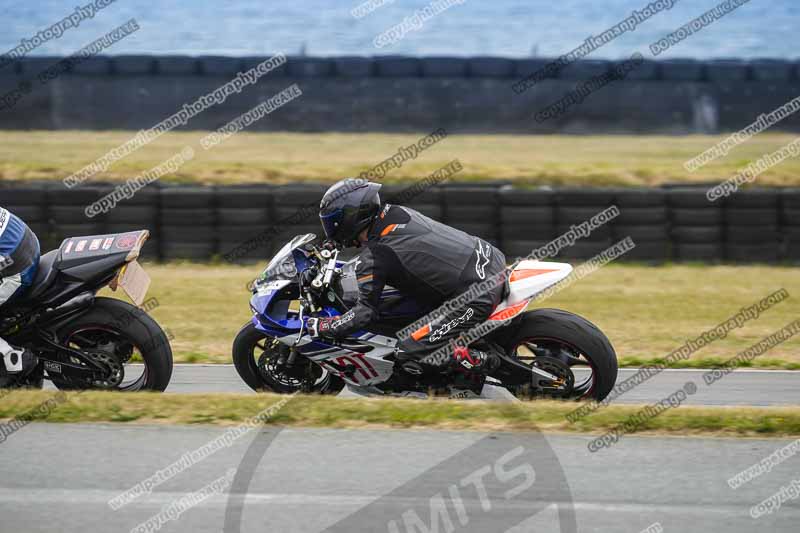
(45, 275)
(110, 251)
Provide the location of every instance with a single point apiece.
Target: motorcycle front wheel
(255, 356)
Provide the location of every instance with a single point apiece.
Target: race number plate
(134, 281)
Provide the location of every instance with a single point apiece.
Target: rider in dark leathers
(424, 259)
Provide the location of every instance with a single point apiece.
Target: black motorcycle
(81, 340)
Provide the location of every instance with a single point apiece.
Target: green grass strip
(320, 411)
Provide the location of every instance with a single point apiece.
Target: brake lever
(302, 324)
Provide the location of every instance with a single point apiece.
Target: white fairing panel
(532, 277)
(371, 368)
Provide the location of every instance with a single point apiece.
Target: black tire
(767, 252)
(602, 233)
(239, 196)
(295, 196)
(753, 198)
(138, 328)
(197, 251)
(789, 199)
(470, 213)
(525, 197)
(187, 198)
(513, 215)
(62, 231)
(752, 234)
(642, 233)
(575, 332)
(789, 216)
(595, 198)
(688, 198)
(519, 248)
(133, 214)
(175, 216)
(24, 196)
(70, 214)
(751, 217)
(465, 196)
(639, 198)
(707, 216)
(698, 251)
(649, 251)
(29, 213)
(639, 216)
(528, 232)
(486, 232)
(584, 249)
(697, 234)
(244, 360)
(242, 216)
(576, 215)
(429, 210)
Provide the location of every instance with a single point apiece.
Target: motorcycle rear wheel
(570, 338)
(135, 336)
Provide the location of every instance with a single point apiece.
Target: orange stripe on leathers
(421, 332)
(388, 229)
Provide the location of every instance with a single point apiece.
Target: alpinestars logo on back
(483, 259)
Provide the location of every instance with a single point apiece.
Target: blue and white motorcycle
(544, 352)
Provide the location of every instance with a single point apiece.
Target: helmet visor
(331, 223)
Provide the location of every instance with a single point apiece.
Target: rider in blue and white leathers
(19, 260)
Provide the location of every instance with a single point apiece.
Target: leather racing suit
(427, 261)
(19, 260)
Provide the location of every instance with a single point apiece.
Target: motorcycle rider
(425, 260)
(19, 260)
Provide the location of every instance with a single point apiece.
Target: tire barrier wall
(403, 94)
(202, 223)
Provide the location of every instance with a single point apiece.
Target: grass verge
(577, 160)
(319, 411)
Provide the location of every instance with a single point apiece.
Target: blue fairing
(280, 322)
(270, 303)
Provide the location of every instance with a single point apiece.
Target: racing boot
(19, 361)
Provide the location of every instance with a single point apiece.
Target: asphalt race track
(742, 387)
(60, 477)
